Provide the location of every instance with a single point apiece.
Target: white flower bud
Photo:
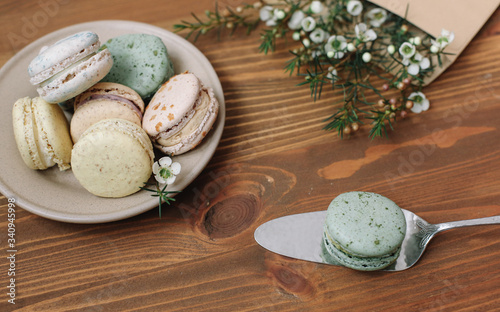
(296, 36)
(434, 49)
(316, 7)
(279, 14)
(306, 42)
(351, 47)
(367, 57)
(391, 49)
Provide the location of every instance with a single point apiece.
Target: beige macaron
(42, 134)
(105, 100)
(113, 158)
(180, 114)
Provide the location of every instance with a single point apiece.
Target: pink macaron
(180, 114)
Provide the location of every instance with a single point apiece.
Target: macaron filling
(65, 71)
(202, 112)
(341, 256)
(112, 97)
(81, 56)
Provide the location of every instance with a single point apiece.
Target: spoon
(419, 233)
(304, 242)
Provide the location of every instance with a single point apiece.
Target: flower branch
(344, 45)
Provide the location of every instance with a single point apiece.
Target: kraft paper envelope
(464, 17)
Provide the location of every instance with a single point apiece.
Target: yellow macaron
(41, 132)
(113, 158)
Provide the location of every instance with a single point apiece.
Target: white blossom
(296, 20)
(416, 63)
(354, 7)
(165, 170)
(444, 40)
(420, 102)
(279, 14)
(364, 34)
(308, 24)
(266, 14)
(336, 46)
(376, 17)
(332, 74)
(318, 35)
(407, 50)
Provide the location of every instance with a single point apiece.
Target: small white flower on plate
(165, 170)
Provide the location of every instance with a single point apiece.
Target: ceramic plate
(58, 195)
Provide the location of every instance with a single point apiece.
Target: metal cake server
(299, 236)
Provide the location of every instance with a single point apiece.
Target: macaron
(113, 158)
(363, 231)
(105, 100)
(140, 61)
(41, 133)
(69, 67)
(180, 114)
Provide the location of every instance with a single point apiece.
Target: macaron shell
(95, 111)
(141, 62)
(77, 78)
(365, 224)
(113, 158)
(172, 106)
(23, 123)
(63, 53)
(196, 129)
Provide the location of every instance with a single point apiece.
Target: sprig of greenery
(350, 71)
(218, 21)
(162, 194)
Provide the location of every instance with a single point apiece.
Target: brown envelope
(464, 17)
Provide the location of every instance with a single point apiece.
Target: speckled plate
(58, 195)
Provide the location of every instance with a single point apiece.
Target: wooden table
(274, 159)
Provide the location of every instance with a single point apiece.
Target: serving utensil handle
(471, 222)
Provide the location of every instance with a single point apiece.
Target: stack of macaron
(363, 231)
(123, 97)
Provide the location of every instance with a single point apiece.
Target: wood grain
(274, 159)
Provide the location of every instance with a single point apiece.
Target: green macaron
(140, 62)
(363, 231)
